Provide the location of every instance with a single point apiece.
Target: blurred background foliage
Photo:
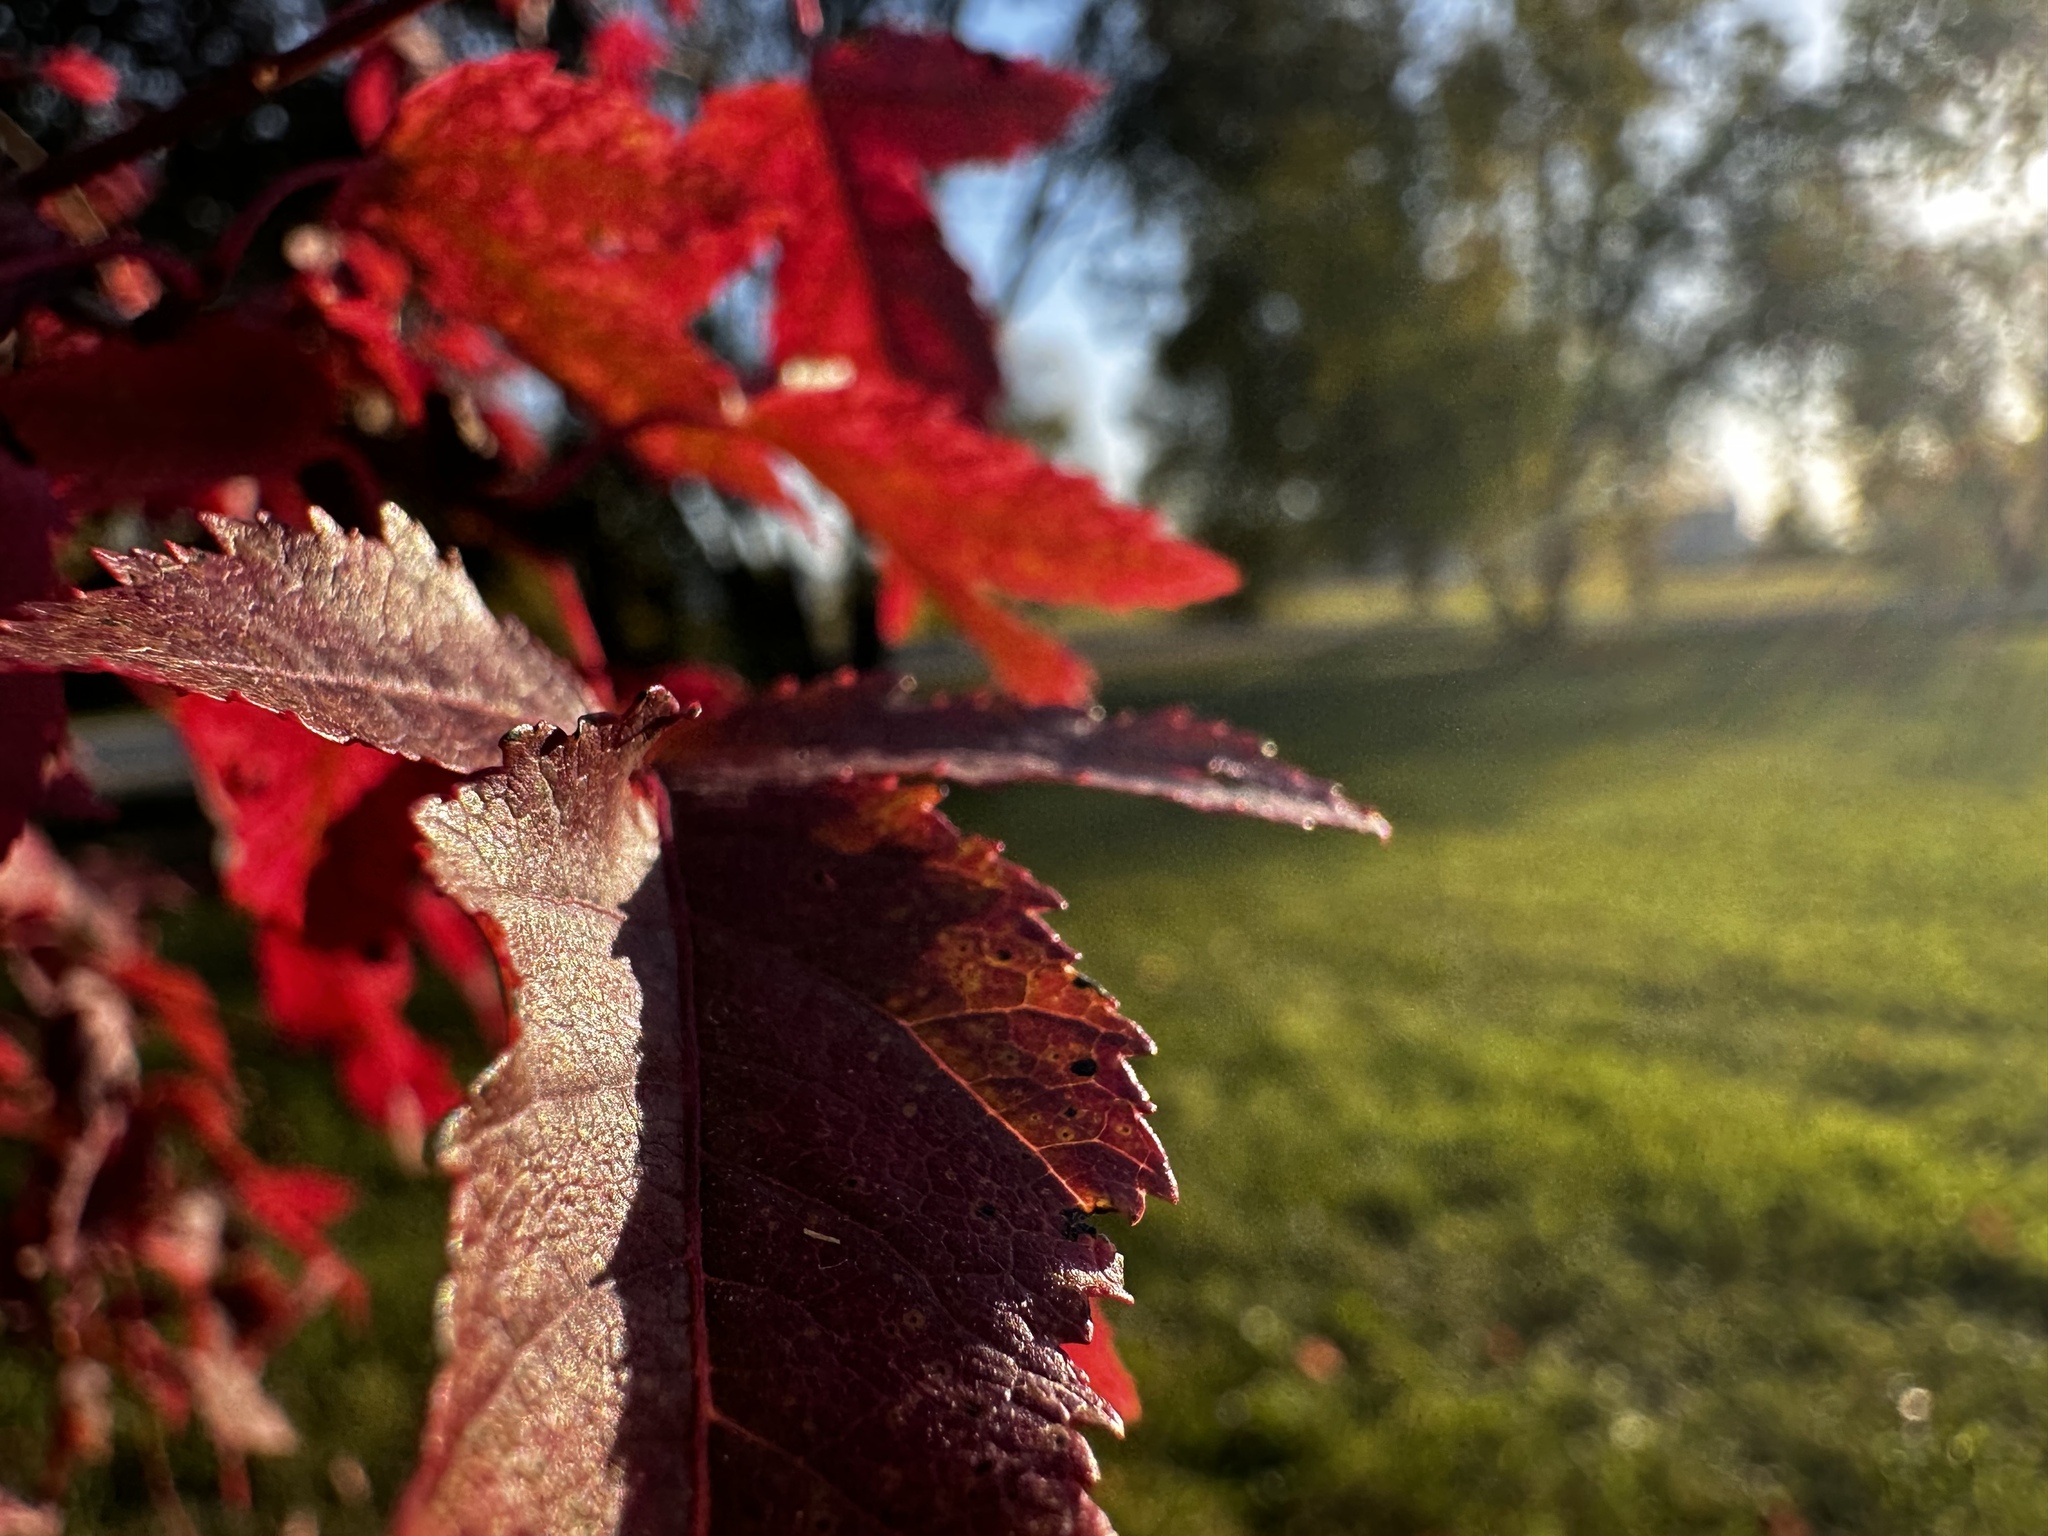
(1650, 1139)
(1469, 276)
(1454, 289)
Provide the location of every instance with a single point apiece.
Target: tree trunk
(2017, 526)
(1539, 618)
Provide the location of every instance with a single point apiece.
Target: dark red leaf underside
(874, 887)
(361, 640)
(878, 725)
(226, 396)
(733, 1252)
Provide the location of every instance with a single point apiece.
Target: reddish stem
(242, 89)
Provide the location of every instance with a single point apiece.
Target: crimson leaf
(360, 640)
(316, 843)
(877, 726)
(590, 243)
(732, 1249)
(226, 396)
(972, 517)
(864, 273)
(275, 792)
(952, 945)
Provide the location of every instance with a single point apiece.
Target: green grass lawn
(1663, 1105)
(1621, 1149)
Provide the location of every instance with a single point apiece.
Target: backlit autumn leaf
(734, 1250)
(360, 639)
(592, 247)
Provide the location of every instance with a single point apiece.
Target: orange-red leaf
(225, 396)
(588, 232)
(974, 516)
(592, 246)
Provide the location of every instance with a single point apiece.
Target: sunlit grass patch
(1653, 1132)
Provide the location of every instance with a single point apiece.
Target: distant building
(1709, 535)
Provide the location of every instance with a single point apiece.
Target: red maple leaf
(587, 231)
(317, 845)
(592, 246)
(864, 274)
(975, 517)
(877, 284)
(275, 791)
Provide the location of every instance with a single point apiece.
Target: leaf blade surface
(382, 642)
(878, 726)
(886, 1272)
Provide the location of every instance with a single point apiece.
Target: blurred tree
(1892, 265)
(1453, 274)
